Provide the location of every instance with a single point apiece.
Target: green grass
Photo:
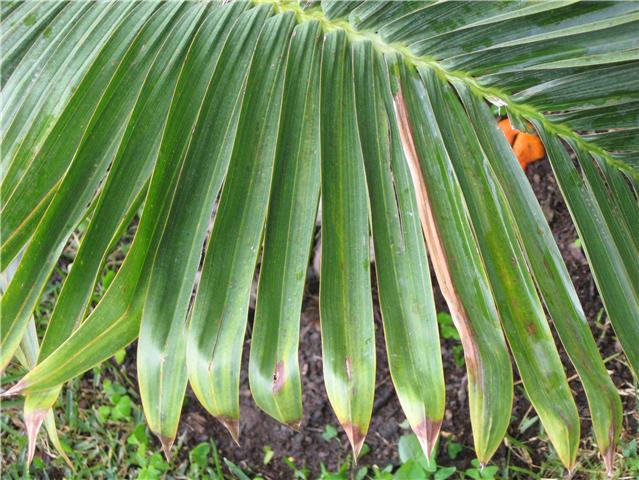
(105, 436)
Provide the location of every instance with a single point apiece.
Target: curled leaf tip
(233, 426)
(427, 432)
(167, 443)
(355, 437)
(33, 422)
(15, 390)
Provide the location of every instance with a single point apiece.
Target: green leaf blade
(19, 30)
(613, 281)
(45, 100)
(218, 322)
(401, 264)
(81, 181)
(25, 201)
(273, 366)
(162, 343)
(346, 310)
(457, 263)
(520, 309)
(162, 374)
(551, 277)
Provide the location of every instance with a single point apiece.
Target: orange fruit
(526, 146)
(509, 132)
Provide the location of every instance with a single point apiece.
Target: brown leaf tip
(609, 453)
(15, 390)
(33, 422)
(233, 427)
(355, 436)
(427, 432)
(295, 425)
(167, 443)
(609, 461)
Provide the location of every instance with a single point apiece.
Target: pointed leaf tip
(233, 426)
(167, 443)
(355, 437)
(15, 390)
(296, 425)
(609, 460)
(33, 422)
(427, 433)
(609, 453)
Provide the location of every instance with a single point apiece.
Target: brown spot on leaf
(349, 368)
(278, 377)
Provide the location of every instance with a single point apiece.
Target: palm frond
(247, 112)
